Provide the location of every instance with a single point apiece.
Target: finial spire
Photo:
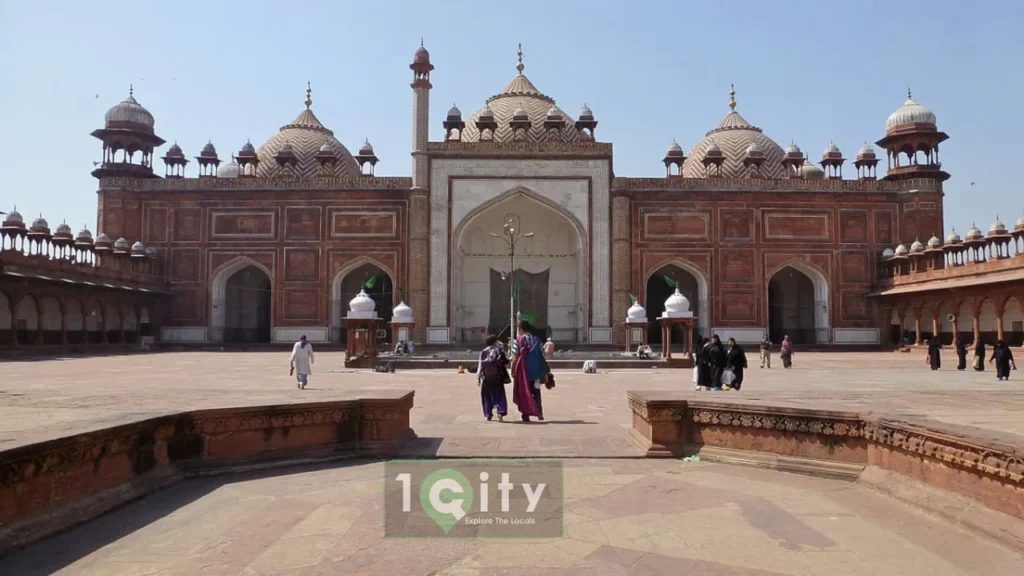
(131, 90)
(421, 41)
(732, 96)
(519, 53)
(908, 93)
(309, 95)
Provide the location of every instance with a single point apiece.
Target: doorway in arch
(247, 298)
(660, 286)
(377, 284)
(793, 304)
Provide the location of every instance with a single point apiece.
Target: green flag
(401, 294)
(671, 283)
(369, 284)
(528, 317)
(632, 299)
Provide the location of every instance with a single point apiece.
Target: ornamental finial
(519, 53)
(908, 93)
(131, 90)
(309, 95)
(732, 96)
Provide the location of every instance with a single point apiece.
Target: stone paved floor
(587, 414)
(623, 517)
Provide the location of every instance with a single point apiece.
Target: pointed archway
(365, 274)
(798, 304)
(242, 303)
(662, 283)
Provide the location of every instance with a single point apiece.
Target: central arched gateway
(662, 283)
(242, 303)
(364, 274)
(798, 304)
(550, 281)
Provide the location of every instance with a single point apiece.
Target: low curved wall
(956, 459)
(50, 486)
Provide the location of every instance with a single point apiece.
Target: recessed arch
(700, 308)
(263, 312)
(339, 303)
(789, 312)
(552, 265)
(6, 320)
(26, 319)
(1013, 322)
(74, 321)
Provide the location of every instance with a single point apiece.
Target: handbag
(549, 382)
(696, 373)
(728, 377)
(505, 377)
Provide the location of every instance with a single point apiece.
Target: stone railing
(832, 443)
(50, 486)
(773, 185)
(258, 183)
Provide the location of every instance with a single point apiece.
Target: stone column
(917, 330)
(419, 262)
(39, 320)
(63, 322)
(976, 322)
(956, 327)
(935, 328)
(621, 266)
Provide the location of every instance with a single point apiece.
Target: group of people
(717, 367)
(785, 352)
(529, 375)
(1002, 356)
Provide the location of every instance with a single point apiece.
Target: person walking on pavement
(302, 361)
(766, 352)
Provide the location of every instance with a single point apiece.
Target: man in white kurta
(302, 361)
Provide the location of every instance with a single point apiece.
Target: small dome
(152, 252)
(454, 112)
(973, 233)
(586, 113)
(674, 149)
(208, 150)
(520, 115)
(248, 148)
(712, 149)
(14, 217)
(910, 113)
(811, 171)
(901, 250)
(636, 313)
(754, 149)
(362, 306)
(554, 113)
(997, 227)
(138, 249)
(866, 151)
(63, 229)
(832, 149)
(793, 148)
(365, 150)
(934, 243)
(40, 224)
(326, 148)
(84, 235)
(953, 238)
(231, 170)
(175, 151)
(421, 56)
(286, 149)
(487, 114)
(129, 111)
(677, 306)
(122, 244)
(1020, 222)
(401, 313)
(103, 240)
(916, 247)
(888, 253)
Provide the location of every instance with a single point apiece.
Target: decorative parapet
(254, 184)
(521, 148)
(780, 420)
(773, 185)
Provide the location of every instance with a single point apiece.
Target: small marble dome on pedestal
(402, 313)
(677, 306)
(362, 306)
(636, 314)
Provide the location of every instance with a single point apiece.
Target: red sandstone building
(270, 242)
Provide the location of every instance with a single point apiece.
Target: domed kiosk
(361, 323)
(636, 326)
(402, 323)
(677, 312)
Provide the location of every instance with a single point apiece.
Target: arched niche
(6, 320)
(51, 320)
(94, 322)
(1013, 322)
(26, 320)
(352, 278)
(692, 283)
(241, 302)
(798, 304)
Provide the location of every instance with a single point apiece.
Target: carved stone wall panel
(301, 264)
(853, 226)
(156, 226)
(802, 226)
(675, 225)
(184, 265)
(737, 306)
(855, 266)
(737, 265)
(243, 224)
(736, 224)
(883, 228)
(854, 307)
(909, 230)
(188, 222)
(302, 223)
(185, 306)
(299, 305)
(364, 224)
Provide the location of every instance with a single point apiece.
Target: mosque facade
(271, 242)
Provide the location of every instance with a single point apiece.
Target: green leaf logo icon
(446, 496)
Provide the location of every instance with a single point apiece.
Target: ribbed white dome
(129, 110)
(401, 313)
(953, 238)
(229, 170)
(454, 112)
(934, 242)
(888, 253)
(636, 313)
(362, 306)
(811, 171)
(901, 250)
(910, 113)
(916, 247)
(677, 306)
(973, 233)
(997, 227)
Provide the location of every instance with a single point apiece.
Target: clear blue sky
(808, 71)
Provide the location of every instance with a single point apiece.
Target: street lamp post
(512, 230)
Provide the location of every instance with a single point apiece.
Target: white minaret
(421, 68)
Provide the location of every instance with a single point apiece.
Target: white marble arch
(559, 237)
(822, 317)
(218, 289)
(339, 308)
(703, 291)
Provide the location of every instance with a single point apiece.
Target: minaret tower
(421, 68)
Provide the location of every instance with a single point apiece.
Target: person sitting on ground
(643, 351)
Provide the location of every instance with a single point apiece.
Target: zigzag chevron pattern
(734, 142)
(306, 135)
(520, 93)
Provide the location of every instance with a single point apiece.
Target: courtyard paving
(622, 517)
(587, 414)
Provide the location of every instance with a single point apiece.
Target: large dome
(909, 114)
(129, 111)
(734, 136)
(521, 94)
(306, 135)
